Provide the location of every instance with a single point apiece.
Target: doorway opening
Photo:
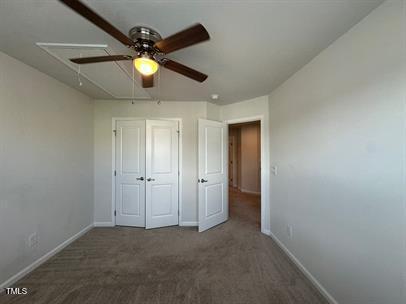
(244, 172)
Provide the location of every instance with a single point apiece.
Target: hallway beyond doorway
(245, 208)
(244, 170)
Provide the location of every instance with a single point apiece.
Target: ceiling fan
(147, 44)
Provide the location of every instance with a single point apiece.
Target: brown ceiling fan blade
(184, 70)
(147, 81)
(86, 60)
(185, 38)
(97, 20)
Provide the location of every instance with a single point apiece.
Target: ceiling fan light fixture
(145, 65)
(145, 43)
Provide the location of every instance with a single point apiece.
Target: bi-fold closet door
(147, 173)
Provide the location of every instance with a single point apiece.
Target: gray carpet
(231, 263)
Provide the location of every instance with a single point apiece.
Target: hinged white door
(130, 173)
(213, 185)
(162, 167)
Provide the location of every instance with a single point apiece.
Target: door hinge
(115, 212)
(115, 173)
(115, 132)
(177, 131)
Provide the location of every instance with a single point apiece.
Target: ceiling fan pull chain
(79, 79)
(133, 83)
(159, 87)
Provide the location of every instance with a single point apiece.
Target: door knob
(150, 179)
(140, 178)
(203, 180)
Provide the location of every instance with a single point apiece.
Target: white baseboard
(103, 224)
(188, 224)
(43, 259)
(303, 269)
(110, 224)
(249, 191)
(266, 231)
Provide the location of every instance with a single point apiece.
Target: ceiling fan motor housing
(145, 38)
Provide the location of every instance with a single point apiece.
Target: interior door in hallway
(162, 172)
(130, 173)
(213, 179)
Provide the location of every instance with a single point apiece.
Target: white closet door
(162, 167)
(130, 173)
(213, 183)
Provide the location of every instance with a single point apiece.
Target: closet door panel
(162, 165)
(130, 173)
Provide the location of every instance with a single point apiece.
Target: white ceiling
(254, 46)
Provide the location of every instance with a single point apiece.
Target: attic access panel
(114, 78)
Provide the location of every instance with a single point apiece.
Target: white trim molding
(103, 224)
(267, 232)
(303, 269)
(249, 191)
(43, 259)
(188, 224)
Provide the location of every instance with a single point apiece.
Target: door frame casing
(265, 202)
(113, 162)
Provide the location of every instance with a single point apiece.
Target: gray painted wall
(46, 167)
(337, 131)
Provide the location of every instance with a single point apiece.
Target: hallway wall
(246, 156)
(250, 158)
